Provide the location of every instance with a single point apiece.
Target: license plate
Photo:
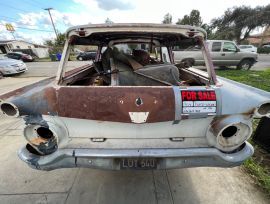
(138, 164)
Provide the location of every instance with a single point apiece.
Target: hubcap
(245, 66)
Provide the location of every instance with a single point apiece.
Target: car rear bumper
(110, 158)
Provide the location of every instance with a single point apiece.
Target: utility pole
(12, 33)
(48, 9)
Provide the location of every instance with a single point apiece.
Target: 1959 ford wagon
(133, 107)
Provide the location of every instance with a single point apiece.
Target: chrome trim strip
(109, 158)
(178, 102)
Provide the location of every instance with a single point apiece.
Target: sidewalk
(11, 83)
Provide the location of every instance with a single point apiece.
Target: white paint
(84, 128)
(138, 117)
(205, 103)
(199, 109)
(188, 103)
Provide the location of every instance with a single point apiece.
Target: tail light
(263, 110)
(41, 138)
(46, 138)
(9, 109)
(228, 133)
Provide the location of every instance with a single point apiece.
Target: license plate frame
(138, 163)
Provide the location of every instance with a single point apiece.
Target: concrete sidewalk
(20, 184)
(11, 83)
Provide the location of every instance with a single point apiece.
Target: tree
(167, 19)
(194, 19)
(208, 29)
(108, 21)
(238, 22)
(56, 45)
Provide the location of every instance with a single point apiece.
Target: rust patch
(20, 91)
(94, 103)
(249, 112)
(38, 140)
(115, 103)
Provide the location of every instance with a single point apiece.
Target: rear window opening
(128, 62)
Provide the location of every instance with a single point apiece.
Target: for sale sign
(198, 102)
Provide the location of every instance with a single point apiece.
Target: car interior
(134, 62)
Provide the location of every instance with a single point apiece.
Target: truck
(223, 53)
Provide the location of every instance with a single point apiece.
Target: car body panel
(86, 56)
(182, 125)
(20, 56)
(11, 66)
(248, 48)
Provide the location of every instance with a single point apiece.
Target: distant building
(40, 51)
(260, 39)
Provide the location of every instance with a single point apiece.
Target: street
(20, 184)
(263, 62)
(46, 69)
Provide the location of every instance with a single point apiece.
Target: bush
(263, 50)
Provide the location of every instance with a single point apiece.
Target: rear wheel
(245, 64)
(188, 62)
(223, 67)
(80, 58)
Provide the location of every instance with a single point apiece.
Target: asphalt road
(47, 69)
(41, 69)
(263, 62)
(20, 184)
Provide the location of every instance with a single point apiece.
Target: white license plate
(138, 163)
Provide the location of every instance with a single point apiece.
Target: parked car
(248, 48)
(20, 56)
(11, 66)
(266, 46)
(222, 52)
(133, 110)
(91, 55)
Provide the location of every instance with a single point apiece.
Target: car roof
(220, 41)
(104, 33)
(20, 53)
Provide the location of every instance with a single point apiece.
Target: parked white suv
(248, 48)
(223, 53)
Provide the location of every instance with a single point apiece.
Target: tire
(223, 67)
(188, 62)
(245, 64)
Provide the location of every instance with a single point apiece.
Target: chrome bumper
(110, 158)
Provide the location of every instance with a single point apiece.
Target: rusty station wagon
(133, 107)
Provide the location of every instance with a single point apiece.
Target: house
(39, 51)
(260, 39)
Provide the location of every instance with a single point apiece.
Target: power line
(19, 27)
(38, 3)
(7, 17)
(34, 4)
(19, 24)
(14, 8)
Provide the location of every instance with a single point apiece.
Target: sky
(32, 22)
